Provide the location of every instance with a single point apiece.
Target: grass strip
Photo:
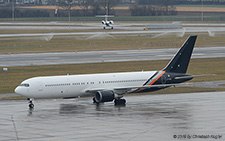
(15, 75)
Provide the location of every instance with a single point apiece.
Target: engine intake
(104, 96)
(111, 22)
(103, 22)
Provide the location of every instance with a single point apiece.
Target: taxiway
(145, 117)
(100, 56)
(121, 29)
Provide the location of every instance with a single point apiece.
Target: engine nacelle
(111, 22)
(103, 22)
(104, 96)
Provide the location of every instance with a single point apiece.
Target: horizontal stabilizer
(192, 76)
(104, 16)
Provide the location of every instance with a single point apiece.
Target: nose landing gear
(31, 105)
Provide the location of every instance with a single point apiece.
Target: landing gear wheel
(120, 102)
(94, 101)
(111, 27)
(31, 105)
(103, 27)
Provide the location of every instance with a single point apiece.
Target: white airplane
(106, 87)
(106, 22)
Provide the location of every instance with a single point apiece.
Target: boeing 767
(106, 87)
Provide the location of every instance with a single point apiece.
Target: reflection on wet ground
(146, 117)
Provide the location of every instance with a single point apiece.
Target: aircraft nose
(22, 91)
(18, 90)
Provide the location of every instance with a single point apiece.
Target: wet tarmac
(193, 116)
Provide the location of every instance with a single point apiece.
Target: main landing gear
(117, 102)
(120, 102)
(31, 105)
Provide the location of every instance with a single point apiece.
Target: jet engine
(103, 22)
(111, 22)
(104, 96)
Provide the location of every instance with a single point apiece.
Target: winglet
(179, 63)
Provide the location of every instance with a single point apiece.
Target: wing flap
(144, 87)
(127, 89)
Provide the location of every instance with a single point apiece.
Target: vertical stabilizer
(180, 61)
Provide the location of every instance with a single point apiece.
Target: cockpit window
(24, 85)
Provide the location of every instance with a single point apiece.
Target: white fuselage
(78, 85)
(106, 87)
(108, 23)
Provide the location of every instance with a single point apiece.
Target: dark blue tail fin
(180, 61)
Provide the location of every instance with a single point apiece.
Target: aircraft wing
(93, 91)
(104, 16)
(137, 88)
(129, 89)
(161, 85)
(144, 87)
(123, 90)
